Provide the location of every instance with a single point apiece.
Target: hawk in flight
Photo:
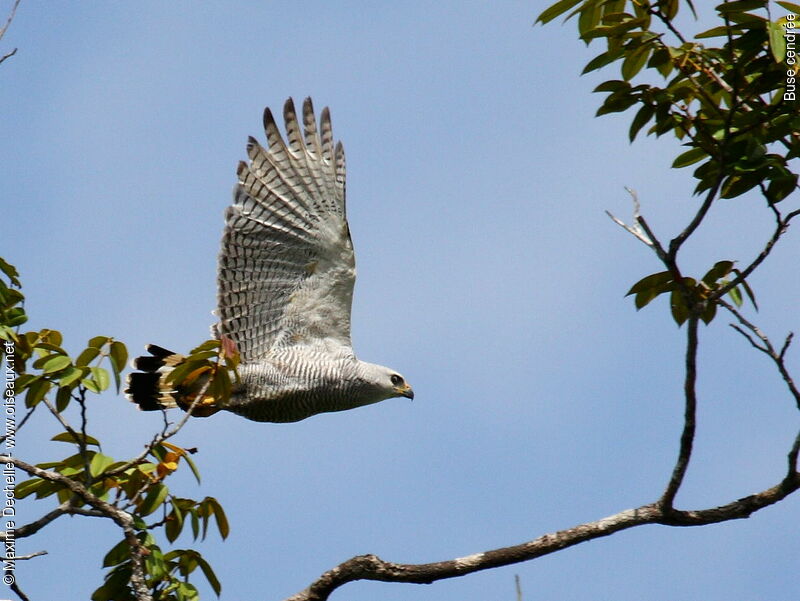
(285, 286)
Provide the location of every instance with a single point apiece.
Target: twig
(79, 440)
(782, 224)
(164, 435)
(636, 229)
(676, 243)
(20, 423)
(8, 55)
(10, 18)
(765, 346)
(28, 556)
(15, 587)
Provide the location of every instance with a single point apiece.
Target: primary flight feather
(285, 287)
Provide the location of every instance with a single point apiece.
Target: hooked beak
(405, 390)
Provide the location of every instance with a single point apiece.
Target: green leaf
(155, 565)
(174, 524)
(192, 467)
(634, 62)
(36, 392)
(689, 158)
(155, 497)
(736, 296)
(720, 270)
(616, 103)
(589, 17)
(11, 272)
(15, 317)
(790, 6)
(208, 345)
(118, 554)
(63, 398)
(714, 32)
(736, 185)
(222, 520)
(27, 487)
(186, 592)
(53, 363)
(601, 60)
(708, 314)
(680, 312)
(643, 115)
(612, 85)
(740, 6)
(559, 8)
(71, 438)
(777, 41)
(99, 464)
(100, 376)
(87, 356)
(99, 341)
(203, 355)
(209, 574)
(71, 375)
(119, 356)
(650, 281)
(747, 289)
(669, 8)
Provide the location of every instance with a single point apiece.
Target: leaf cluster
(729, 103)
(687, 293)
(47, 375)
(210, 371)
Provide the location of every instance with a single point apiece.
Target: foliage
(732, 105)
(88, 481)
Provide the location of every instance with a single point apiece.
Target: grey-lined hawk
(285, 286)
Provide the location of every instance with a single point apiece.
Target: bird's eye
(396, 380)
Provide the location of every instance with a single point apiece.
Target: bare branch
(676, 243)
(689, 419)
(765, 347)
(5, 28)
(28, 556)
(635, 231)
(641, 230)
(13, 12)
(782, 224)
(66, 508)
(372, 567)
(8, 55)
(793, 453)
(20, 424)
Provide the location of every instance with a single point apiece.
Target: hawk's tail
(148, 387)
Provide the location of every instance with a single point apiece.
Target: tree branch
(10, 18)
(118, 516)
(765, 347)
(165, 434)
(66, 508)
(372, 567)
(689, 421)
(782, 224)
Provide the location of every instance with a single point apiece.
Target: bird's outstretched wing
(286, 268)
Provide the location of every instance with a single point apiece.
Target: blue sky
(488, 275)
